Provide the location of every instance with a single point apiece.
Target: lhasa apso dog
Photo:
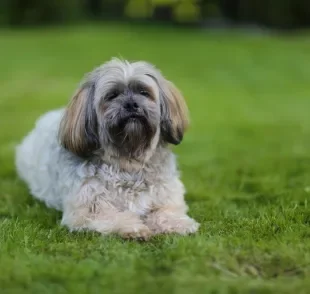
(104, 160)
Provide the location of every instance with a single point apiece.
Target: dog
(105, 160)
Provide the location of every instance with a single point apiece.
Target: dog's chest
(137, 192)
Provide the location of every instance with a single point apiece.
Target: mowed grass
(245, 162)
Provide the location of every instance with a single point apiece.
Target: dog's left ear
(174, 113)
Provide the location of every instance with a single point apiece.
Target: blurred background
(242, 64)
(286, 14)
(234, 60)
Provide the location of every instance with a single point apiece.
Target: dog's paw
(182, 225)
(137, 232)
(185, 227)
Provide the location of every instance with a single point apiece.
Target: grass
(245, 162)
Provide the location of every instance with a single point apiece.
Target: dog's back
(33, 156)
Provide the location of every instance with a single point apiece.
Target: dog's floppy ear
(174, 113)
(78, 131)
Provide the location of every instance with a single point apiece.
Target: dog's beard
(132, 136)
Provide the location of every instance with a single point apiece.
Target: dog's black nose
(131, 106)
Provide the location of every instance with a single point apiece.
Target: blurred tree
(4, 12)
(163, 12)
(181, 11)
(94, 8)
(272, 13)
(229, 8)
(186, 12)
(141, 9)
(275, 13)
(301, 11)
(113, 9)
(32, 12)
(214, 8)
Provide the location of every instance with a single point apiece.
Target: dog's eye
(112, 95)
(145, 93)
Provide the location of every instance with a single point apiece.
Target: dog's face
(127, 108)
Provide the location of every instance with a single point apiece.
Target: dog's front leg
(89, 211)
(171, 219)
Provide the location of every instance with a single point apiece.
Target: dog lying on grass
(104, 160)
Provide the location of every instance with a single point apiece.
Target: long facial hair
(131, 136)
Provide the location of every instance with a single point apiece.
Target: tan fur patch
(73, 123)
(178, 109)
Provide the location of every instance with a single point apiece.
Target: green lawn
(245, 162)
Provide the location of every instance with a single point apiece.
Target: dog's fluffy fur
(104, 159)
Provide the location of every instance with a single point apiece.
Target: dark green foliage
(36, 12)
(112, 9)
(271, 13)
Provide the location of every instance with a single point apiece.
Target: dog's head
(125, 107)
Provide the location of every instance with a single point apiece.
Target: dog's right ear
(78, 131)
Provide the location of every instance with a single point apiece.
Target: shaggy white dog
(104, 159)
